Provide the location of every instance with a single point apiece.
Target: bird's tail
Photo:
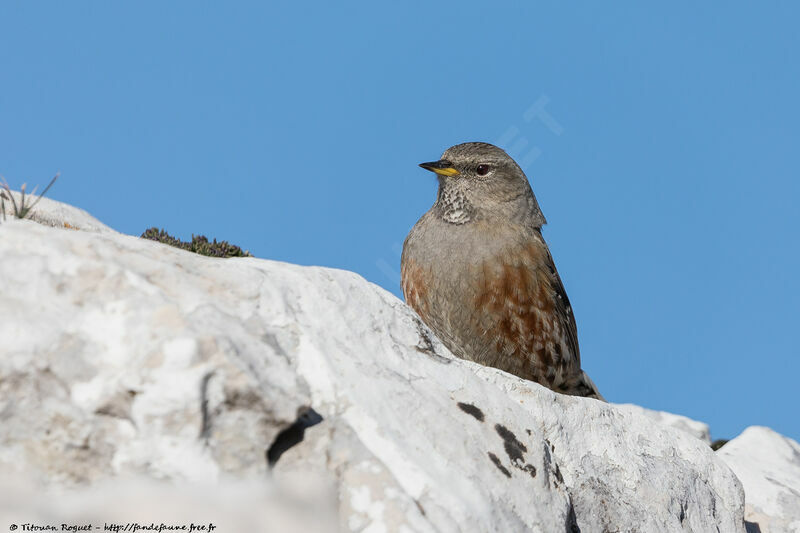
(584, 386)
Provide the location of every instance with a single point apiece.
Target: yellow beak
(441, 167)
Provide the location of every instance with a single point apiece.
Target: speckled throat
(453, 206)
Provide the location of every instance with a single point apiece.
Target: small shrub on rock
(199, 244)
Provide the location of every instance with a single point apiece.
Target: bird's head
(479, 180)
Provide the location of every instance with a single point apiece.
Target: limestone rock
(123, 357)
(695, 428)
(768, 465)
(56, 214)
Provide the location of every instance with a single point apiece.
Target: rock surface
(698, 430)
(56, 214)
(768, 465)
(118, 505)
(122, 357)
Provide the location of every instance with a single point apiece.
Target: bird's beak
(442, 167)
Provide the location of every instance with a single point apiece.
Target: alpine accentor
(476, 269)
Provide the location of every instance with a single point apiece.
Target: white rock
(695, 428)
(120, 356)
(241, 506)
(56, 214)
(768, 465)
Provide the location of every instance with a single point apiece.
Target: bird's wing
(563, 309)
(579, 384)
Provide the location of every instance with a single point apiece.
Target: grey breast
(450, 255)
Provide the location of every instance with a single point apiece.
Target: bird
(477, 270)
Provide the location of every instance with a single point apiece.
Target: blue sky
(664, 154)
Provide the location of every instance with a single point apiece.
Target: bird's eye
(482, 169)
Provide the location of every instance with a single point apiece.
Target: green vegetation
(198, 245)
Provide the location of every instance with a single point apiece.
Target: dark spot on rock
(514, 448)
(241, 399)
(529, 468)
(292, 435)
(557, 474)
(471, 410)
(572, 520)
(425, 344)
(528, 431)
(205, 424)
(682, 516)
(719, 443)
(420, 507)
(271, 340)
(118, 406)
(499, 465)
(752, 527)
